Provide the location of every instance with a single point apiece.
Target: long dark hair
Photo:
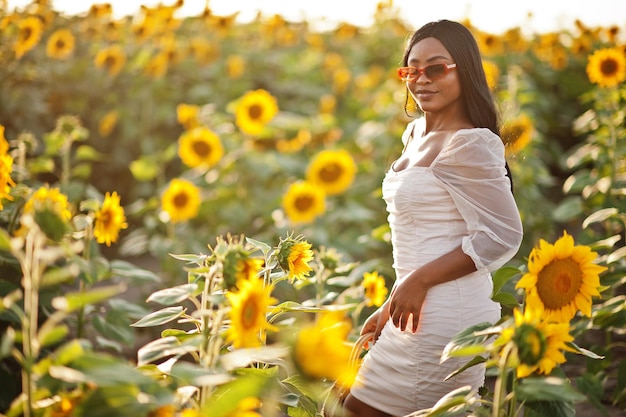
(476, 97)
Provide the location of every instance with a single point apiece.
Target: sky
(493, 16)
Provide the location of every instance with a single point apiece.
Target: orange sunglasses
(433, 72)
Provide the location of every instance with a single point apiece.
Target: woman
(453, 220)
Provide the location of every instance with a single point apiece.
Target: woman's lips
(424, 94)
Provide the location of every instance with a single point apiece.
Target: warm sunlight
(489, 15)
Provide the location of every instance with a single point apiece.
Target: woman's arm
(407, 298)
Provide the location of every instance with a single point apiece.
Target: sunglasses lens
(406, 73)
(435, 71)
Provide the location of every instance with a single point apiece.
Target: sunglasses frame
(419, 71)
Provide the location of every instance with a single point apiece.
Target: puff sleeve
(471, 168)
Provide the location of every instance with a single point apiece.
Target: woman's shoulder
(413, 129)
(479, 143)
(475, 136)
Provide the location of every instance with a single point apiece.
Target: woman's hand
(406, 302)
(376, 322)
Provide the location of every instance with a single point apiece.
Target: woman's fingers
(404, 320)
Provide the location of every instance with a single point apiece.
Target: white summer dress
(462, 199)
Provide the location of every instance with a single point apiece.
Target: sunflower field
(192, 222)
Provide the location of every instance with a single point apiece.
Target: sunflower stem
(30, 262)
(610, 152)
(512, 398)
(500, 385)
(209, 326)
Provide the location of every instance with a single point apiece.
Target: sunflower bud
(293, 256)
(531, 344)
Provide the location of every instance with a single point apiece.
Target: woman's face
(439, 94)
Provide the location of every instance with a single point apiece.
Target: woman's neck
(446, 121)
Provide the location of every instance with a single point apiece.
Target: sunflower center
(60, 44)
(26, 33)
(513, 133)
(249, 313)
(330, 173)
(531, 344)
(109, 62)
(201, 148)
(608, 67)
(559, 282)
(181, 199)
(255, 111)
(370, 290)
(106, 218)
(304, 203)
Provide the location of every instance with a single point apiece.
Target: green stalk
(500, 386)
(80, 319)
(31, 270)
(511, 399)
(66, 161)
(209, 327)
(610, 152)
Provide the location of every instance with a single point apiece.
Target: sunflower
(346, 31)
(60, 44)
(181, 200)
(144, 29)
(4, 145)
(248, 268)
(189, 412)
(29, 33)
(108, 122)
(561, 279)
(167, 410)
(157, 66)
(100, 11)
(221, 24)
(237, 262)
(46, 198)
(302, 137)
(65, 407)
(249, 305)
(304, 201)
(51, 210)
(6, 182)
(200, 148)
(332, 170)
(111, 58)
(341, 80)
(254, 110)
(110, 219)
(203, 50)
(514, 40)
(332, 62)
(539, 343)
(6, 169)
(246, 407)
(490, 44)
(235, 66)
(293, 256)
(375, 289)
(327, 104)
(371, 79)
(321, 350)
(516, 134)
(607, 67)
(491, 74)
(187, 115)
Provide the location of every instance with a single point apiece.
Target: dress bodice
(462, 198)
(423, 218)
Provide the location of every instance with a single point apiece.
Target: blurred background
(210, 118)
(490, 15)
